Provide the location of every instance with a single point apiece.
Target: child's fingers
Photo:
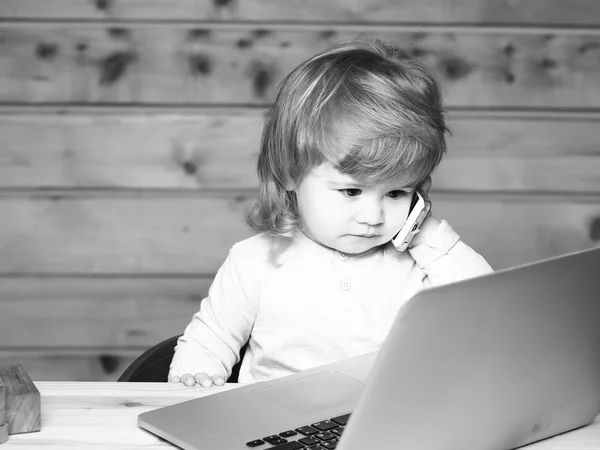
(218, 380)
(203, 379)
(188, 379)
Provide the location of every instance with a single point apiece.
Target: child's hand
(427, 228)
(201, 378)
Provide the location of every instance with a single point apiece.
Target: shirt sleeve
(445, 258)
(212, 340)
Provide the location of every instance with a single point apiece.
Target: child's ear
(425, 185)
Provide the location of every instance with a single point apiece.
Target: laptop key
(273, 437)
(341, 420)
(329, 445)
(338, 431)
(255, 443)
(288, 433)
(325, 425)
(325, 436)
(276, 441)
(309, 441)
(307, 430)
(292, 445)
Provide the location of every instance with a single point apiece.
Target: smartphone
(419, 209)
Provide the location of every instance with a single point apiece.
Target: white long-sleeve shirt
(315, 306)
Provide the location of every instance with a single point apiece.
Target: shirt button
(343, 256)
(345, 285)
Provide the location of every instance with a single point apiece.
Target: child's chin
(359, 249)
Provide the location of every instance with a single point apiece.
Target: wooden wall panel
(192, 234)
(96, 312)
(130, 150)
(578, 12)
(130, 130)
(145, 64)
(90, 328)
(70, 365)
(170, 234)
(217, 150)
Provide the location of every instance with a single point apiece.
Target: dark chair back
(153, 364)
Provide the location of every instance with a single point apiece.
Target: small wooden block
(3, 433)
(22, 401)
(3, 426)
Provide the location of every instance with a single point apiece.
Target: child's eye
(397, 194)
(350, 192)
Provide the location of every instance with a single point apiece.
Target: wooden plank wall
(129, 132)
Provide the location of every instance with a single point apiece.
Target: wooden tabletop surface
(99, 415)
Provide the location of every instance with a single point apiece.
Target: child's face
(340, 213)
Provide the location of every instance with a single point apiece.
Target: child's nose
(370, 213)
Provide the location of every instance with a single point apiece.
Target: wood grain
(121, 150)
(80, 414)
(579, 12)
(3, 425)
(96, 312)
(130, 131)
(72, 364)
(206, 149)
(119, 235)
(22, 407)
(143, 64)
(192, 234)
(103, 415)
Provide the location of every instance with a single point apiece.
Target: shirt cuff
(441, 242)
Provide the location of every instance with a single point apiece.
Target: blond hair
(386, 103)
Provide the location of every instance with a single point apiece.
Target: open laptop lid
(492, 362)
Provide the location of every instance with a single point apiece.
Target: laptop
(494, 362)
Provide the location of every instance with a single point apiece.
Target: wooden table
(99, 415)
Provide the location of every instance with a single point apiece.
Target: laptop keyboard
(322, 435)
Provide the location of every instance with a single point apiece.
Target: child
(351, 134)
